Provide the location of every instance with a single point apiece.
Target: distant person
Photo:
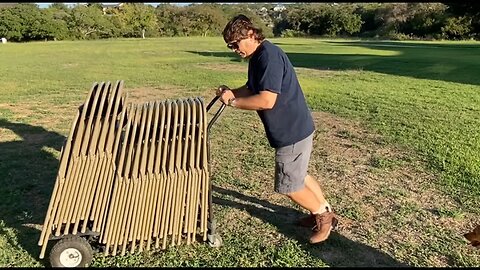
(273, 90)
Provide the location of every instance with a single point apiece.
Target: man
(272, 89)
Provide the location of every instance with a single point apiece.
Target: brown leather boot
(308, 221)
(325, 223)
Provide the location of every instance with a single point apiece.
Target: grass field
(397, 147)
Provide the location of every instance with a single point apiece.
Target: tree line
(400, 21)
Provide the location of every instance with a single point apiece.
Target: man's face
(239, 47)
(244, 47)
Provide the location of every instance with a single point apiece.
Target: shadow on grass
(337, 251)
(459, 63)
(27, 176)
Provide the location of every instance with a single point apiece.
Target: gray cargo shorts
(291, 164)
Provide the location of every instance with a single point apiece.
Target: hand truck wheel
(215, 241)
(71, 251)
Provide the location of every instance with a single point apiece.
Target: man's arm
(242, 91)
(264, 100)
(244, 98)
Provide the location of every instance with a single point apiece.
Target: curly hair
(238, 27)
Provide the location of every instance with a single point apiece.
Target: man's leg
(291, 179)
(306, 199)
(324, 220)
(312, 184)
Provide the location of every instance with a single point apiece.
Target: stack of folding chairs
(135, 174)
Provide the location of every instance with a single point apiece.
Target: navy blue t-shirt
(290, 120)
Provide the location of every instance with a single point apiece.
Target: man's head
(242, 36)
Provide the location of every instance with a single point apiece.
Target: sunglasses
(233, 45)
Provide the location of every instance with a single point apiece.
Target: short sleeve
(270, 71)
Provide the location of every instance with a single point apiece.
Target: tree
(88, 22)
(11, 26)
(49, 28)
(468, 9)
(391, 17)
(367, 14)
(138, 18)
(300, 19)
(59, 6)
(165, 14)
(457, 27)
(464, 8)
(232, 10)
(324, 19)
(60, 14)
(206, 20)
(342, 20)
(426, 20)
(26, 22)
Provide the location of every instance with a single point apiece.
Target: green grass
(421, 96)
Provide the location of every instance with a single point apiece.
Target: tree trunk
(143, 33)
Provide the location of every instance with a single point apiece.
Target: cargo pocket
(286, 169)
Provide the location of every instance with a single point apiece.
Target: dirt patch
(17, 109)
(148, 94)
(49, 117)
(382, 193)
(384, 197)
(224, 67)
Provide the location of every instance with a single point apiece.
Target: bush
(292, 33)
(399, 36)
(400, 21)
(457, 28)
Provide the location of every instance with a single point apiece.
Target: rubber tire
(218, 242)
(71, 241)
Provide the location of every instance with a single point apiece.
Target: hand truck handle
(217, 114)
(211, 221)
